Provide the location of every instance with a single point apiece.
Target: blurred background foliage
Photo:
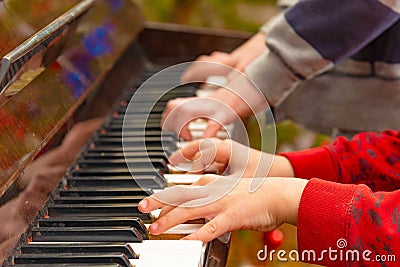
(241, 15)
(244, 15)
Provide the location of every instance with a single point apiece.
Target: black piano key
(168, 148)
(65, 258)
(116, 172)
(98, 210)
(140, 121)
(187, 91)
(82, 248)
(118, 163)
(108, 149)
(137, 116)
(118, 127)
(159, 86)
(98, 200)
(134, 125)
(155, 146)
(121, 155)
(86, 234)
(95, 191)
(144, 109)
(160, 91)
(147, 181)
(137, 133)
(95, 222)
(138, 140)
(157, 97)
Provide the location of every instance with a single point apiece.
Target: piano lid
(46, 77)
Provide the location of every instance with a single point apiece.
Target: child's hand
(276, 201)
(239, 160)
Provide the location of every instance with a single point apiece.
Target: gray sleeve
(272, 77)
(290, 60)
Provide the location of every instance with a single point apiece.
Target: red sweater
(355, 200)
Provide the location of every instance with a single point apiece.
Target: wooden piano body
(70, 61)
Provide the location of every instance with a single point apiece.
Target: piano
(65, 63)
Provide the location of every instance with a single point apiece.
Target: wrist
(247, 52)
(290, 191)
(233, 100)
(281, 167)
(242, 96)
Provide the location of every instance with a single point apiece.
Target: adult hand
(239, 160)
(240, 98)
(275, 202)
(238, 59)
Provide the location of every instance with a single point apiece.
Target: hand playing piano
(239, 98)
(239, 160)
(275, 202)
(238, 59)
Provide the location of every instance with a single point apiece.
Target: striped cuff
(273, 78)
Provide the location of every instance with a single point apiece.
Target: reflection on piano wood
(89, 54)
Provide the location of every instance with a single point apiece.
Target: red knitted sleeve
(348, 225)
(369, 158)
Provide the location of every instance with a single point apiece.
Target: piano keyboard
(92, 219)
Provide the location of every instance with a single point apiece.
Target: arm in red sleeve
(370, 158)
(349, 220)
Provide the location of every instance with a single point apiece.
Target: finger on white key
(181, 229)
(177, 195)
(212, 229)
(213, 127)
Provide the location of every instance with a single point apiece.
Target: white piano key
(155, 213)
(170, 253)
(206, 91)
(182, 167)
(182, 178)
(217, 80)
(179, 253)
(212, 83)
(181, 229)
(198, 126)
